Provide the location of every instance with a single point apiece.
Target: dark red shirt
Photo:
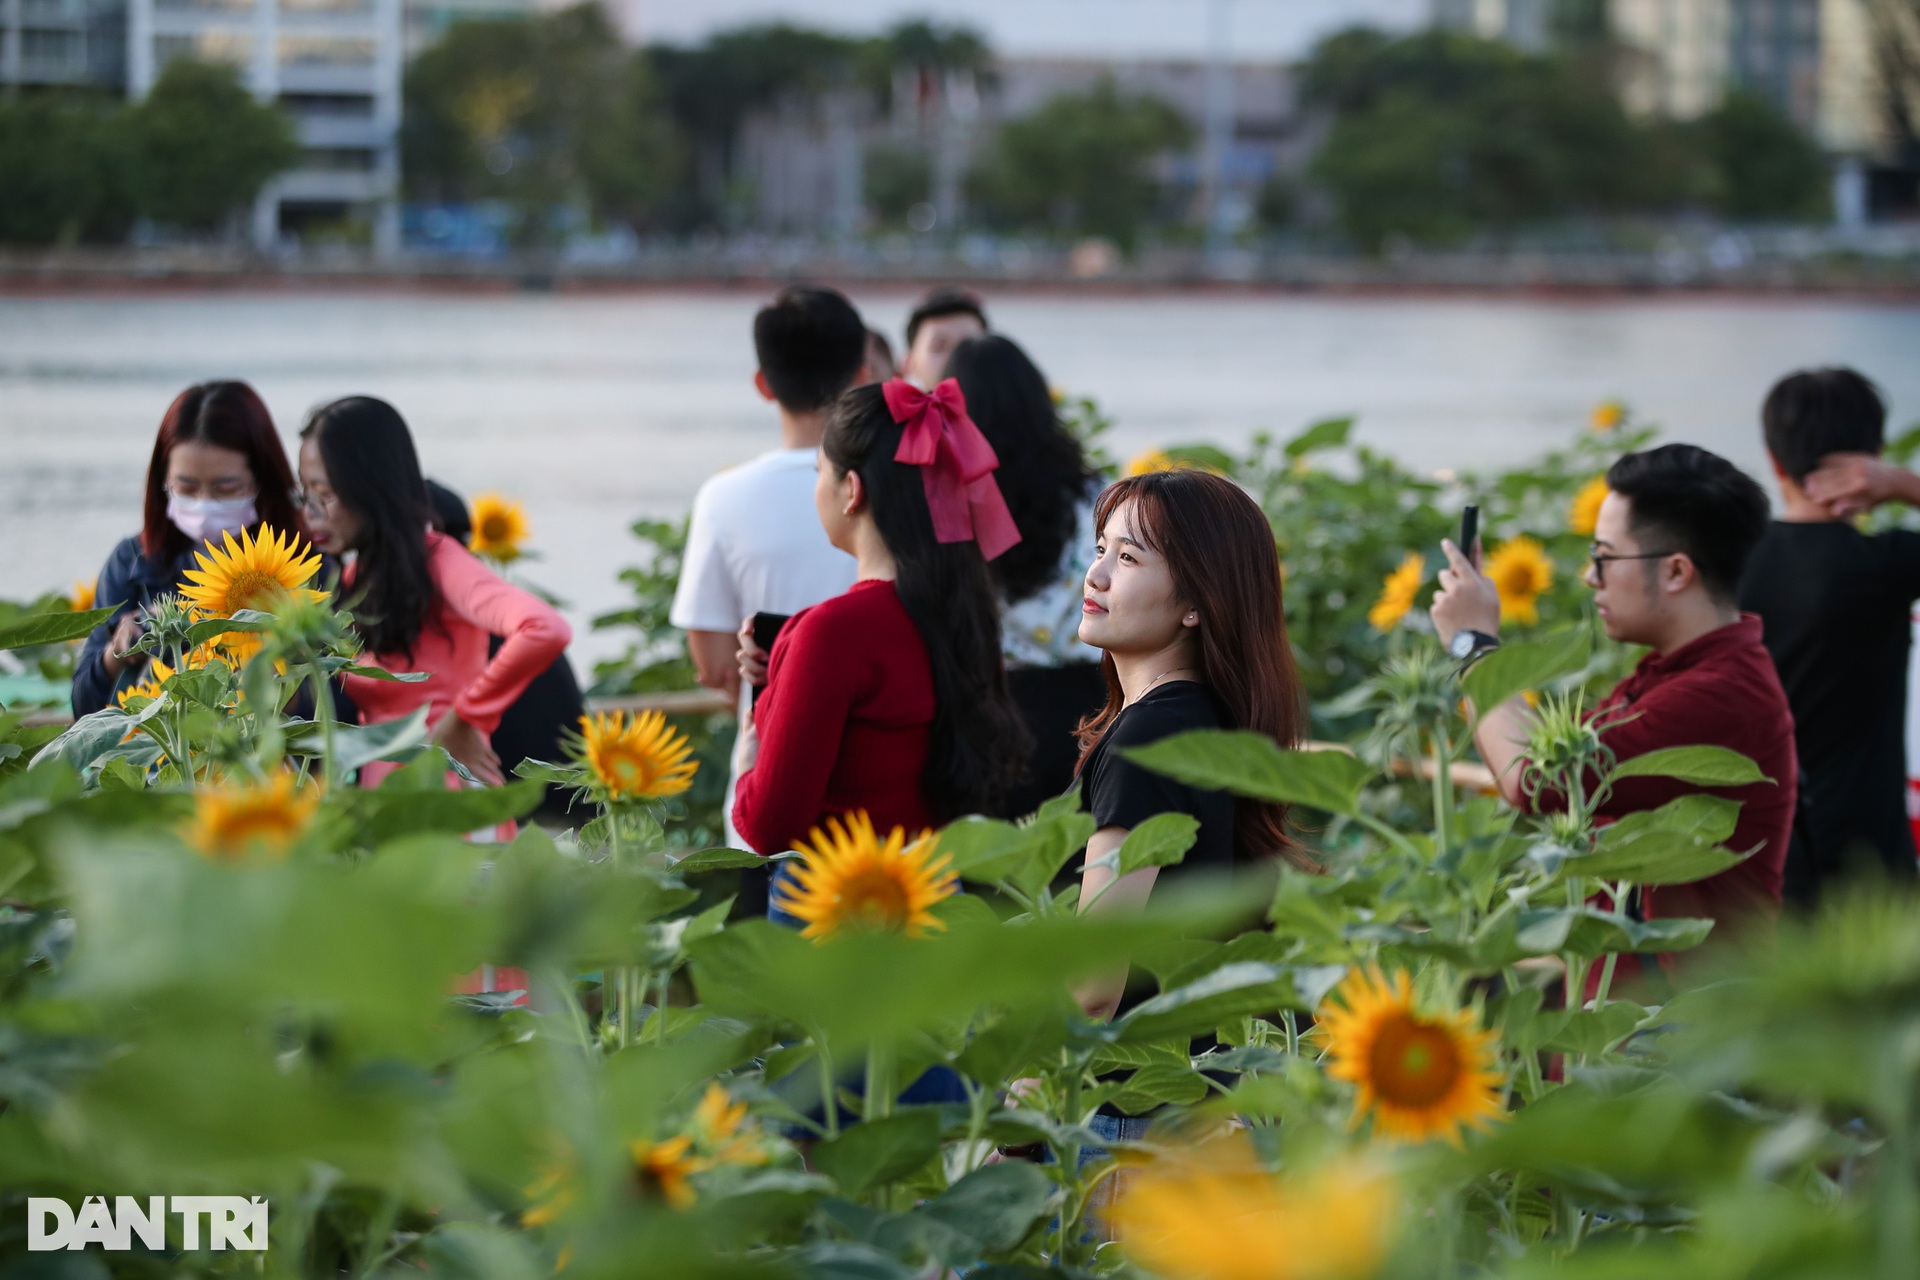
(1720, 690)
(843, 722)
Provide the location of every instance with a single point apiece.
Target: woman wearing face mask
(217, 467)
(420, 600)
(1183, 598)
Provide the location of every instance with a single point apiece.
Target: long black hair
(375, 473)
(1043, 470)
(979, 743)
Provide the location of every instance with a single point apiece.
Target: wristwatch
(1467, 646)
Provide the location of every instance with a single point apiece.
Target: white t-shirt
(755, 545)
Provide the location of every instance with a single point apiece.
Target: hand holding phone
(1470, 534)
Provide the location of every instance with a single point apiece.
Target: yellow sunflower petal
(636, 757)
(231, 821)
(499, 527)
(1214, 1214)
(848, 877)
(1397, 593)
(1417, 1077)
(256, 572)
(1520, 571)
(1583, 516)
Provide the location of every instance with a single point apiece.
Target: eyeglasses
(1601, 559)
(231, 489)
(313, 503)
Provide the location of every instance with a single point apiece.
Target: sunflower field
(226, 970)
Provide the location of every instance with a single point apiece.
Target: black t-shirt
(1836, 605)
(1120, 793)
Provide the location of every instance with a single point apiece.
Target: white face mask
(204, 519)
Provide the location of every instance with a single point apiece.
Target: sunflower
(158, 673)
(553, 1193)
(499, 527)
(1151, 461)
(1607, 416)
(719, 1127)
(81, 597)
(1216, 1215)
(254, 573)
(662, 1169)
(1584, 515)
(1418, 1077)
(1396, 596)
(230, 821)
(636, 757)
(850, 878)
(1521, 571)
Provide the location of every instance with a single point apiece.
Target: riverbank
(1882, 263)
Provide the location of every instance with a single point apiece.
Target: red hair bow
(956, 465)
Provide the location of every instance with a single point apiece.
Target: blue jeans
(1098, 1218)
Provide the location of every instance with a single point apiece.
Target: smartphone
(766, 629)
(1469, 533)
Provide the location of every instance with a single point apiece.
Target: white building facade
(333, 65)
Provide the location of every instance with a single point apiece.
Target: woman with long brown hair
(1183, 600)
(217, 468)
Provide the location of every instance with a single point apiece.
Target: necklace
(1174, 671)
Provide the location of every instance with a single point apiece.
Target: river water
(594, 410)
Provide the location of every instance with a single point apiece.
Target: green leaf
(1157, 1085)
(1250, 764)
(1589, 1032)
(381, 673)
(718, 860)
(1677, 843)
(390, 815)
(1512, 669)
(52, 628)
(357, 745)
(1028, 857)
(995, 1206)
(564, 775)
(214, 628)
(1704, 766)
(1231, 991)
(1160, 841)
(1012, 1041)
(1331, 433)
(880, 1150)
(92, 736)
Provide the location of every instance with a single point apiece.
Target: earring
(1192, 618)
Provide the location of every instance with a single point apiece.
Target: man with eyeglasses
(1674, 535)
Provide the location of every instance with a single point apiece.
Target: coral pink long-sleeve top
(470, 604)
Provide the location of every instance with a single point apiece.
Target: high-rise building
(332, 65)
(62, 42)
(1524, 23)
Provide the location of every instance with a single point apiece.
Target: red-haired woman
(218, 467)
(1183, 600)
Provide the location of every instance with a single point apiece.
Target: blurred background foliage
(1433, 138)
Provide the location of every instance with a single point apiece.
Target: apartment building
(332, 65)
(62, 42)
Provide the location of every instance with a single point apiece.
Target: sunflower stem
(828, 1100)
(1442, 789)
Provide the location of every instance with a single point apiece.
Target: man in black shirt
(1837, 608)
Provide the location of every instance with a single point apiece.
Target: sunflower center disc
(875, 897)
(1414, 1064)
(251, 590)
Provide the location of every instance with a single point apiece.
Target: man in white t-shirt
(755, 544)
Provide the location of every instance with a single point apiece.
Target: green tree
(543, 111)
(63, 166)
(1438, 135)
(1761, 164)
(202, 146)
(1082, 165)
